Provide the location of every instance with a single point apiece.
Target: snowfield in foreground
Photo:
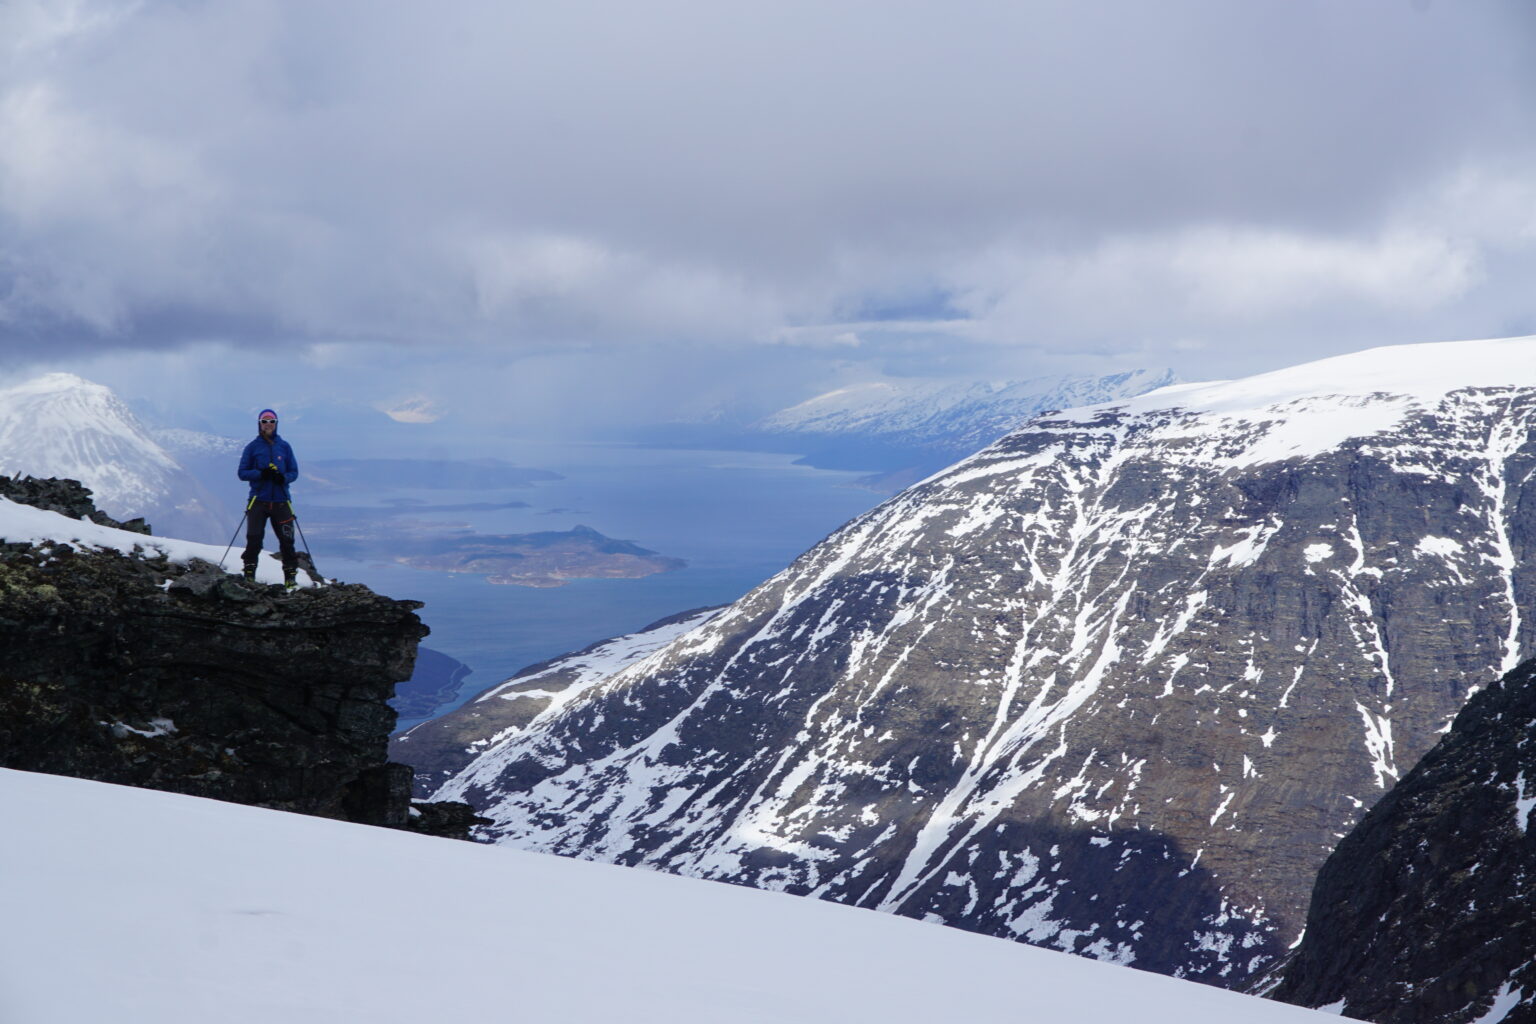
(129, 905)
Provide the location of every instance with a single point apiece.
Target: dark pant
(281, 515)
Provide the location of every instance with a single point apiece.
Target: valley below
(518, 567)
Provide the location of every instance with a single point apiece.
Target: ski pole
(288, 497)
(305, 539)
(243, 517)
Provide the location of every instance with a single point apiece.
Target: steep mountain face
(1426, 912)
(60, 425)
(126, 663)
(1116, 684)
(953, 418)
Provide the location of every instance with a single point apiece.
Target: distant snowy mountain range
(62, 425)
(952, 417)
(902, 430)
(1115, 684)
(183, 443)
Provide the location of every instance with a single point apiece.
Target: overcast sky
(597, 209)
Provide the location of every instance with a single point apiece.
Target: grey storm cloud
(1100, 177)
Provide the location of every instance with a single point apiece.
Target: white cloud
(1209, 278)
(1492, 204)
(1125, 178)
(1447, 259)
(509, 272)
(554, 286)
(77, 198)
(1247, 273)
(36, 28)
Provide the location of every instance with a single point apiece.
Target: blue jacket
(256, 457)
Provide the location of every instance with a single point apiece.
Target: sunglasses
(269, 421)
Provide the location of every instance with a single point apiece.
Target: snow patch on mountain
(439, 747)
(594, 664)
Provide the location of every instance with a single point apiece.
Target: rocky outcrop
(1426, 911)
(139, 670)
(66, 497)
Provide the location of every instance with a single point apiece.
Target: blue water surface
(736, 518)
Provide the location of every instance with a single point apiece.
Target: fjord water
(735, 517)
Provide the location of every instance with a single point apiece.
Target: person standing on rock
(269, 466)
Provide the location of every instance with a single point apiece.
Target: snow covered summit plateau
(1314, 406)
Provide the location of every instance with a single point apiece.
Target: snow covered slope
(442, 746)
(60, 425)
(949, 416)
(25, 524)
(1115, 684)
(195, 911)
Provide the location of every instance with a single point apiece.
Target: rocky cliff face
(135, 668)
(1426, 912)
(1116, 684)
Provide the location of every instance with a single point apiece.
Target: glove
(271, 473)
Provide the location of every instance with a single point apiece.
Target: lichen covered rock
(66, 497)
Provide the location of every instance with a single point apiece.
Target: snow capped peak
(52, 383)
(62, 425)
(58, 391)
(63, 401)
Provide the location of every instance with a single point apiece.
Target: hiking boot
(250, 573)
(290, 581)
